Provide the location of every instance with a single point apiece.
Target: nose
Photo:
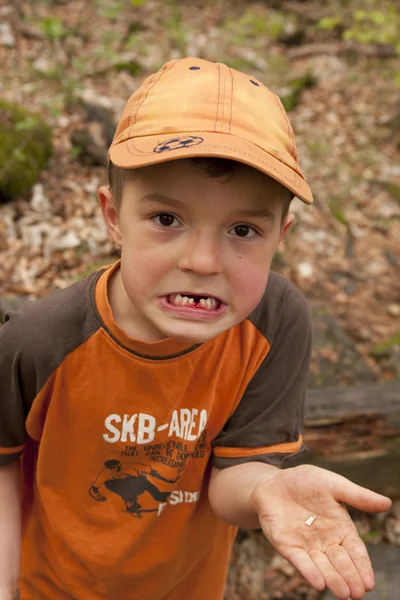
(201, 254)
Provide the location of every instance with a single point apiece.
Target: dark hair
(212, 166)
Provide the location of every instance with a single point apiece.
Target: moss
(394, 191)
(336, 207)
(296, 87)
(24, 150)
(384, 348)
(131, 66)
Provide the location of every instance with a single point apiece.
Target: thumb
(359, 497)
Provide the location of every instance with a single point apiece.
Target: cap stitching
(231, 106)
(223, 104)
(142, 90)
(293, 151)
(219, 85)
(151, 85)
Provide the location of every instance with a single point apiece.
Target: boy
(155, 401)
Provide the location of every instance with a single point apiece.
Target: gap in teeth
(206, 303)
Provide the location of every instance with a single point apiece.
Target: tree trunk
(356, 432)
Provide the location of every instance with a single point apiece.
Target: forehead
(190, 179)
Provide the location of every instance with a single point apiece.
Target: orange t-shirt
(118, 437)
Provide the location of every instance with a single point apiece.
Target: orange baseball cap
(192, 107)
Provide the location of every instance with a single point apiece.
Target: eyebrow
(166, 201)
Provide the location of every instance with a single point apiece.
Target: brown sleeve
(268, 421)
(33, 343)
(12, 414)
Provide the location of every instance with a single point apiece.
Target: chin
(194, 335)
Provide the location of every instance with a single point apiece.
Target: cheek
(142, 267)
(248, 281)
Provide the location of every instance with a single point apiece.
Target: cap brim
(151, 150)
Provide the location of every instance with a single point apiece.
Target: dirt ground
(58, 58)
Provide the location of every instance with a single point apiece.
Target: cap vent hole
(194, 68)
(254, 82)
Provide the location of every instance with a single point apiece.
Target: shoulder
(58, 312)
(283, 306)
(43, 332)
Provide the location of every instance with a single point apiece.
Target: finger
(346, 491)
(333, 579)
(341, 561)
(303, 563)
(359, 555)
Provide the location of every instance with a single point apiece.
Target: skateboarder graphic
(129, 482)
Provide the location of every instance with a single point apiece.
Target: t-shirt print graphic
(129, 482)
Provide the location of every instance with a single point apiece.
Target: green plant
(329, 23)
(376, 23)
(176, 29)
(253, 25)
(383, 348)
(376, 27)
(336, 207)
(53, 28)
(109, 10)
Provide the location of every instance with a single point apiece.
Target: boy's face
(184, 234)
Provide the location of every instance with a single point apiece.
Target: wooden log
(356, 432)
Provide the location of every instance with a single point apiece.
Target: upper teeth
(207, 303)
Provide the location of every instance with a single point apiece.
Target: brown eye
(166, 220)
(242, 230)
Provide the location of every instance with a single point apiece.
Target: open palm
(329, 552)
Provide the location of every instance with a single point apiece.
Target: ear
(286, 225)
(110, 214)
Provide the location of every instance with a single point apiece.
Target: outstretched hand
(329, 552)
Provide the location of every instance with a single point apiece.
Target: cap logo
(178, 143)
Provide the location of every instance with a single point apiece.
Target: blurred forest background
(67, 69)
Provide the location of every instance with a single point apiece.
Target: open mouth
(209, 303)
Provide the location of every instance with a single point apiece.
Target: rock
(24, 150)
(305, 270)
(391, 257)
(394, 310)
(39, 202)
(336, 358)
(68, 240)
(43, 65)
(385, 562)
(92, 142)
(102, 115)
(89, 151)
(7, 38)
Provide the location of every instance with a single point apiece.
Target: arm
(329, 552)
(10, 527)
(231, 492)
